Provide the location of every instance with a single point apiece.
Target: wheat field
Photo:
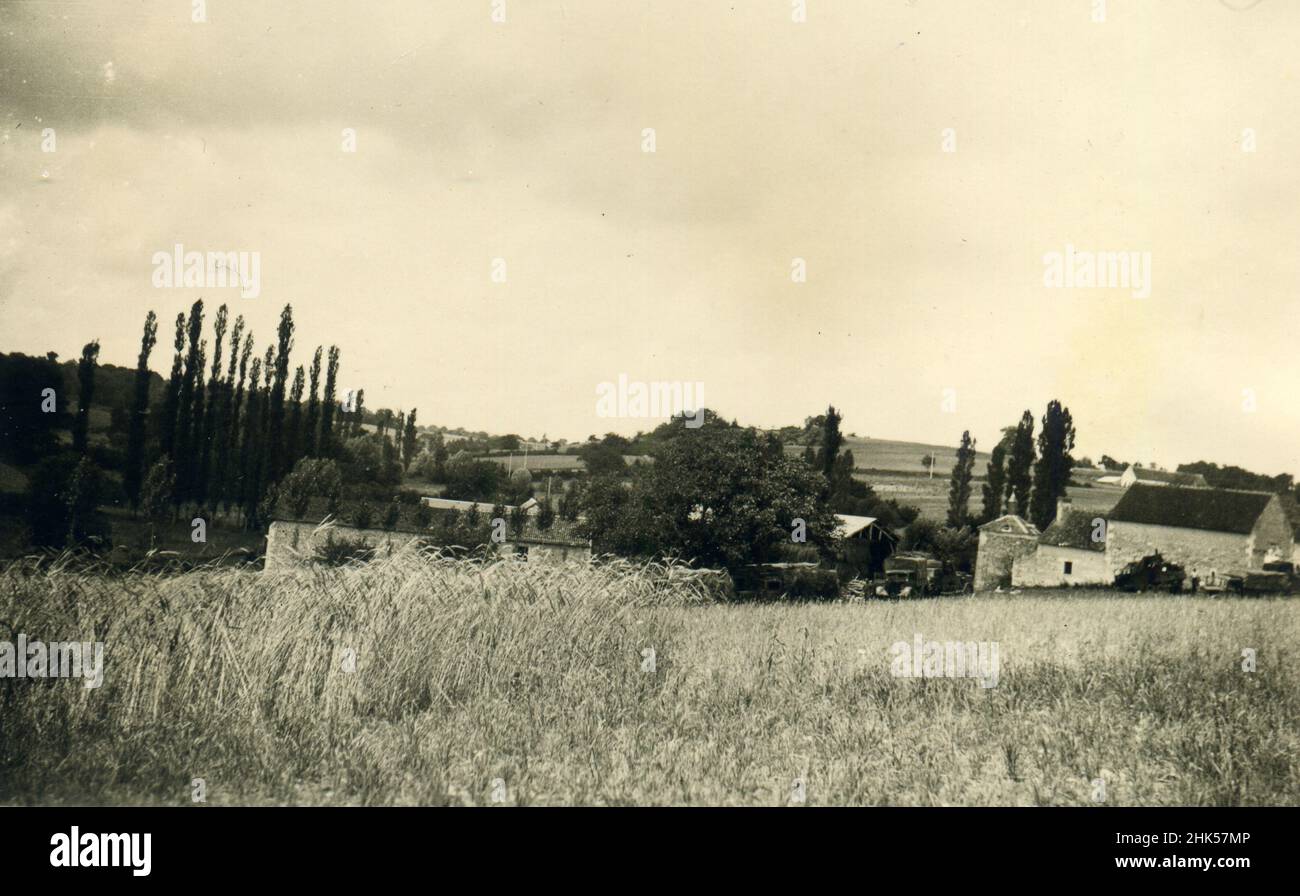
(415, 680)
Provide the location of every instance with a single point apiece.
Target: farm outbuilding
(1002, 542)
(865, 543)
(1071, 551)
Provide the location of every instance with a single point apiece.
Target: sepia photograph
(787, 404)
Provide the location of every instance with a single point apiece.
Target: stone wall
(1220, 552)
(290, 544)
(539, 552)
(1045, 568)
(996, 554)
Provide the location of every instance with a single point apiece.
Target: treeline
(231, 422)
(1245, 480)
(216, 436)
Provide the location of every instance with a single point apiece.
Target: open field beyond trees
(532, 684)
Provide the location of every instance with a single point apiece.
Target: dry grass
(466, 673)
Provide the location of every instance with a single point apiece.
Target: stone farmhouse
(1212, 533)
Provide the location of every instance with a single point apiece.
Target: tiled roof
(1075, 531)
(1011, 524)
(1210, 509)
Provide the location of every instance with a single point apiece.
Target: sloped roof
(850, 525)
(1074, 531)
(1010, 524)
(1166, 478)
(1210, 509)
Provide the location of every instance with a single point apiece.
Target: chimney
(1062, 508)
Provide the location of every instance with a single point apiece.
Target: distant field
(931, 495)
(526, 684)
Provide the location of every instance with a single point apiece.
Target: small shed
(865, 542)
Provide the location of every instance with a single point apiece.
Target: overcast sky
(774, 140)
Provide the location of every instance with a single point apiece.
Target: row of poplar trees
(1020, 480)
(226, 431)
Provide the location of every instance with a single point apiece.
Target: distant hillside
(902, 457)
(113, 384)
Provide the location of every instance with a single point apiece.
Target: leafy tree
(716, 495)
(82, 495)
(831, 442)
(133, 476)
(473, 480)
(959, 487)
(156, 492)
(1020, 461)
(518, 521)
(311, 478)
(392, 515)
(86, 395)
(439, 458)
(1052, 472)
(363, 515)
(423, 515)
(602, 459)
(27, 429)
(545, 515)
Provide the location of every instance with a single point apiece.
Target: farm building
(1002, 541)
(530, 507)
(865, 545)
(1208, 531)
(1134, 475)
(1071, 551)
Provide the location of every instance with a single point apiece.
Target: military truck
(918, 574)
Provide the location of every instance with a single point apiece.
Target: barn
(1211, 532)
(1133, 475)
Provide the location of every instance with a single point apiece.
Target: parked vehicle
(1151, 573)
(914, 573)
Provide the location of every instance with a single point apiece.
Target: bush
(344, 551)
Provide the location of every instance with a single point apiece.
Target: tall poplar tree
(277, 450)
(1020, 462)
(86, 394)
(329, 404)
(311, 427)
(133, 475)
(172, 396)
(959, 485)
(213, 409)
(1052, 472)
(995, 478)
